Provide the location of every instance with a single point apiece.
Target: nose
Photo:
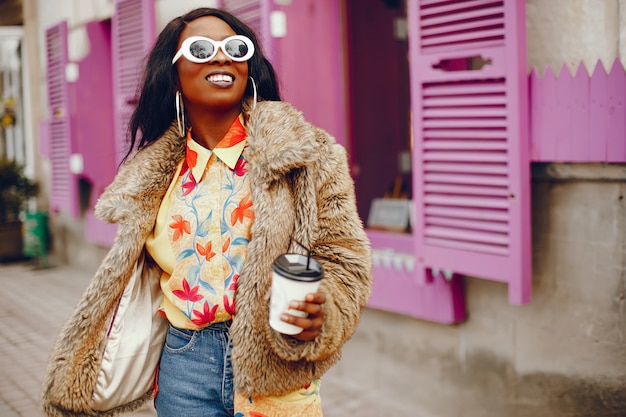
(220, 56)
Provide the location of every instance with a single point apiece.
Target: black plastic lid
(294, 266)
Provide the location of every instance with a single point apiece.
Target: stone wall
(573, 31)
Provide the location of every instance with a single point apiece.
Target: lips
(221, 79)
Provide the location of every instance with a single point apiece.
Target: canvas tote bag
(133, 343)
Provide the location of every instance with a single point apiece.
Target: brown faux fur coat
(301, 189)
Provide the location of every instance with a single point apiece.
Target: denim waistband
(220, 326)
(223, 326)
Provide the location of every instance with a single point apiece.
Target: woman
(226, 178)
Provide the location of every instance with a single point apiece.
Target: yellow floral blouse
(200, 241)
(202, 231)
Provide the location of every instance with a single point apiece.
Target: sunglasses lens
(236, 48)
(201, 49)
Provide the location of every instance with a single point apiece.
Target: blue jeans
(196, 374)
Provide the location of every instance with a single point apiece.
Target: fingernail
(284, 317)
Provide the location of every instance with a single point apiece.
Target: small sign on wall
(391, 214)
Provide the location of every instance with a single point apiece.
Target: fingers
(315, 298)
(310, 309)
(314, 319)
(311, 326)
(312, 306)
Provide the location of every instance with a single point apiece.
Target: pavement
(35, 302)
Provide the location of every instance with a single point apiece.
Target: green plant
(15, 190)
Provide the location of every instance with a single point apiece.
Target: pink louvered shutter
(255, 13)
(471, 156)
(63, 184)
(133, 34)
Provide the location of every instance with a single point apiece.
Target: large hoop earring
(180, 114)
(254, 93)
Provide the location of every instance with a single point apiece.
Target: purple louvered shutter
(133, 34)
(63, 184)
(471, 155)
(95, 130)
(255, 13)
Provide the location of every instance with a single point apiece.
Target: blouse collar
(228, 150)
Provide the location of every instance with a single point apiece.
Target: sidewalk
(36, 302)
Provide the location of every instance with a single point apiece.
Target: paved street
(35, 303)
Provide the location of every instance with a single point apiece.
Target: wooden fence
(580, 117)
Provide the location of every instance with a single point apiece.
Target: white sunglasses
(200, 49)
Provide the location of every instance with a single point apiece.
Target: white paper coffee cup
(293, 277)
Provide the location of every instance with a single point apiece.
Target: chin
(224, 105)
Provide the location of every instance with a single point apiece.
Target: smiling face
(218, 85)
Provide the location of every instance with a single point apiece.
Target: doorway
(379, 94)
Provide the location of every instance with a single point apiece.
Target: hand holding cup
(295, 304)
(313, 306)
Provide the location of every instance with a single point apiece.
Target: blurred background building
(488, 144)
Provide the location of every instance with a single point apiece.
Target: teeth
(220, 78)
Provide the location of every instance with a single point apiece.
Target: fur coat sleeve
(302, 190)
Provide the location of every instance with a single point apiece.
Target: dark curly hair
(155, 109)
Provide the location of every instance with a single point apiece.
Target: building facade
(487, 141)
